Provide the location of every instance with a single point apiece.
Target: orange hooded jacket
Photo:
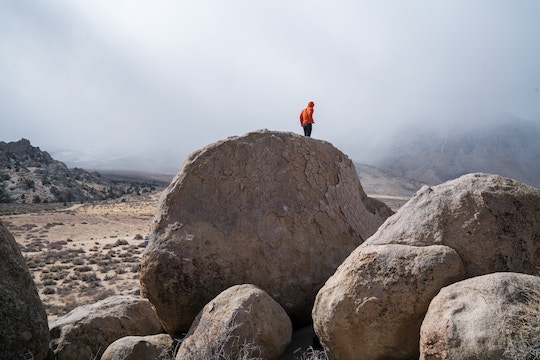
(306, 116)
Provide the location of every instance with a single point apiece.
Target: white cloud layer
(170, 76)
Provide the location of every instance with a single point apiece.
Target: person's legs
(305, 127)
(308, 130)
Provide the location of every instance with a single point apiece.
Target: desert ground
(81, 253)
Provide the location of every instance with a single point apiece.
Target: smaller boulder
(374, 304)
(90, 329)
(493, 316)
(151, 347)
(241, 321)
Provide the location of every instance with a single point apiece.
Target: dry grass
(523, 334)
(85, 253)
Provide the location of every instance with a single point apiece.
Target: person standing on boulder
(306, 119)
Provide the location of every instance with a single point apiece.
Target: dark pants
(307, 129)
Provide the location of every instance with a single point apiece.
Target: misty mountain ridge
(29, 175)
(509, 148)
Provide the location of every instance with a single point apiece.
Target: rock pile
(256, 233)
(374, 305)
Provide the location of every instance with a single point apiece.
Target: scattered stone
(24, 331)
(89, 329)
(241, 322)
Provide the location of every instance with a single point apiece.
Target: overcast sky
(128, 77)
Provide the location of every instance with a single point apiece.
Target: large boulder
(241, 322)
(495, 316)
(24, 331)
(151, 347)
(89, 329)
(273, 209)
(492, 223)
(371, 306)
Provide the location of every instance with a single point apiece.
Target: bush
(524, 332)
(78, 261)
(90, 278)
(48, 291)
(121, 242)
(85, 268)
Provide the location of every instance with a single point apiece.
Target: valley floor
(85, 252)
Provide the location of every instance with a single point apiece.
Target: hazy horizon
(157, 81)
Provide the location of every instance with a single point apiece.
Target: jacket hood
(311, 104)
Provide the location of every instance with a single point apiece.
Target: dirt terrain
(84, 252)
(81, 253)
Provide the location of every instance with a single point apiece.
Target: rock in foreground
(494, 316)
(490, 224)
(277, 210)
(24, 330)
(243, 322)
(374, 304)
(89, 329)
(151, 347)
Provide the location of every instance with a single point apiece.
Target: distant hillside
(509, 148)
(378, 182)
(29, 175)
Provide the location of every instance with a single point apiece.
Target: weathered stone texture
(273, 209)
(24, 330)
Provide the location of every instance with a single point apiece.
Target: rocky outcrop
(492, 224)
(89, 329)
(277, 210)
(370, 307)
(24, 330)
(241, 322)
(29, 175)
(151, 347)
(493, 316)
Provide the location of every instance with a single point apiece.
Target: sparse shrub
(57, 245)
(138, 237)
(84, 268)
(312, 354)
(49, 291)
(78, 261)
(226, 345)
(121, 242)
(524, 332)
(90, 278)
(49, 282)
